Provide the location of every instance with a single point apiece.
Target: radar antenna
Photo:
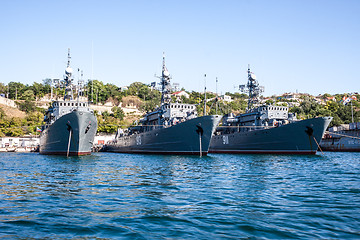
(68, 79)
(165, 83)
(253, 89)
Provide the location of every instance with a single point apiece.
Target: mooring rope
(318, 145)
(68, 148)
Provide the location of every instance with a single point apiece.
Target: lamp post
(352, 113)
(205, 95)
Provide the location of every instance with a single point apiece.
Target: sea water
(130, 196)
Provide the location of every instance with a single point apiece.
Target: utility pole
(97, 95)
(352, 113)
(92, 72)
(92, 90)
(216, 95)
(205, 95)
(51, 87)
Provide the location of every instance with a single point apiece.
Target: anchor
(309, 131)
(200, 131)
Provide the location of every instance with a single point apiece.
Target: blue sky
(304, 46)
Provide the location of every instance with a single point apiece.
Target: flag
(38, 129)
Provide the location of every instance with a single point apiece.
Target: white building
(179, 94)
(102, 139)
(226, 98)
(8, 102)
(26, 143)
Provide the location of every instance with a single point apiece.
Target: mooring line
(318, 145)
(68, 149)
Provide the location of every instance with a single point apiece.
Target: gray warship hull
(348, 141)
(54, 139)
(301, 137)
(182, 139)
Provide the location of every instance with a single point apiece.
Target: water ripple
(122, 196)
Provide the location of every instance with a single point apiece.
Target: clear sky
(310, 46)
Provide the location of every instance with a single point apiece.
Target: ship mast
(68, 79)
(165, 84)
(253, 89)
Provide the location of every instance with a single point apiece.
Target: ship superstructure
(70, 125)
(172, 128)
(267, 128)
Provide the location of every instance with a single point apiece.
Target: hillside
(12, 112)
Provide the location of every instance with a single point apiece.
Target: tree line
(97, 92)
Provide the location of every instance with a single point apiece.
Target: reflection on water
(110, 195)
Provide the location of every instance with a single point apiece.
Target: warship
(344, 138)
(267, 128)
(172, 128)
(70, 125)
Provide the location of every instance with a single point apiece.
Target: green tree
(269, 102)
(28, 95)
(113, 91)
(97, 91)
(118, 112)
(149, 105)
(40, 89)
(107, 124)
(12, 127)
(26, 106)
(15, 90)
(325, 96)
(139, 89)
(3, 89)
(105, 114)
